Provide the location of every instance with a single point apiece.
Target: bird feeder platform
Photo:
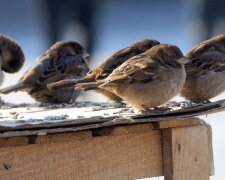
(101, 141)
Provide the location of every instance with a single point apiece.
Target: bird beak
(86, 56)
(183, 60)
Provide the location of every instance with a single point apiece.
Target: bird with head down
(64, 60)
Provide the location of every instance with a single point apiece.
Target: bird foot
(121, 104)
(171, 104)
(187, 104)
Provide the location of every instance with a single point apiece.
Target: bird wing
(104, 69)
(68, 65)
(137, 69)
(206, 62)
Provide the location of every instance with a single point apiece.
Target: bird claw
(187, 104)
(172, 104)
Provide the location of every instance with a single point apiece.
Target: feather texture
(104, 69)
(63, 60)
(206, 72)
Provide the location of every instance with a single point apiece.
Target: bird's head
(168, 54)
(145, 44)
(70, 47)
(11, 55)
(216, 43)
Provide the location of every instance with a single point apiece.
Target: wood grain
(104, 117)
(124, 156)
(14, 141)
(176, 123)
(186, 153)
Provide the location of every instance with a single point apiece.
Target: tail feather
(63, 84)
(16, 87)
(66, 84)
(109, 86)
(87, 86)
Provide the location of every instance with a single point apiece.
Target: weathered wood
(186, 153)
(123, 156)
(176, 123)
(116, 152)
(14, 141)
(91, 118)
(63, 137)
(123, 129)
(212, 170)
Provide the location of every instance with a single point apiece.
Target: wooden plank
(124, 156)
(62, 137)
(191, 111)
(209, 131)
(123, 129)
(185, 153)
(176, 123)
(14, 141)
(90, 119)
(23, 124)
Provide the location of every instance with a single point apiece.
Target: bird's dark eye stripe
(195, 61)
(198, 64)
(206, 66)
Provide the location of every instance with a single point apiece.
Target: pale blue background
(116, 24)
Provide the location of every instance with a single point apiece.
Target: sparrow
(11, 56)
(104, 69)
(64, 60)
(150, 79)
(206, 72)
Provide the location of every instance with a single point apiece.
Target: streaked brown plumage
(64, 60)
(104, 69)
(206, 73)
(150, 79)
(11, 56)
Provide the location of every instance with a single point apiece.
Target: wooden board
(177, 123)
(91, 118)
(186, 153)
(119, 155)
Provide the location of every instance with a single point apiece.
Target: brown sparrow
(64, 60)
(11, 56)
(104, 69)
(206, 72)
(149, 79)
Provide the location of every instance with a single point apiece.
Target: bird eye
(78, 50)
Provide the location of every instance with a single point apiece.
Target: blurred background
(105, 26)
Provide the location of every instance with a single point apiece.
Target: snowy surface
(17, 115)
